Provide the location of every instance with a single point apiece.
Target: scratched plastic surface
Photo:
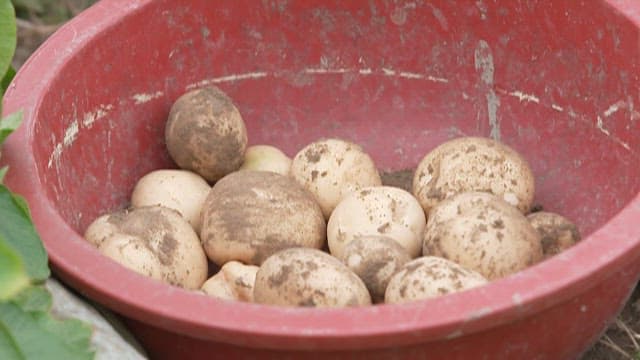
(558, 81)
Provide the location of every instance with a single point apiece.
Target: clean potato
(205, 133)
(234, 281)
(379, 210)
(375, 258)
(154, 241)
(308, 277)
(181, 190)
(249, 215)
(266, 158)
(474, 164)
(332, 169)
(482, 232)
(557, 233)
(429, 277)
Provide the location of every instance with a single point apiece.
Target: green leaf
(3, 172)
(17, 229)
(7, 34)
(13, 276)
(30, 332)
(9, 124)
(6, 80)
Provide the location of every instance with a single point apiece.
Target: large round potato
(206, 134)
(557, 233)
(482, 232)
(249, 215)
(308, 277)
(474, 164)
(154, 241)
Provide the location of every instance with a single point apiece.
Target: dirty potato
(378, 210)
(249, 215)
(332, 169)
(474, 164)
(557, 233)
(234, 281)
(429, 277)
(310, 278)
(375, 259)
(482, 232)
(266, 158)
(154, 241)
(205, 133)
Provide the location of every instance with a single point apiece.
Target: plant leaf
(9, 124)
(3, 172)
(32, 333)
(7, 34)
(6, 80)
(18, 230)
(13, 276)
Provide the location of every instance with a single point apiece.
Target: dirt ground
(620, 342)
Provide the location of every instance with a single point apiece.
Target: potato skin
(205, 133)
(377, 210)
(266, 158)
(481, 232)
(557, 233)
(234, 281)
(331, 169)
(249, 215)
(474, 164)
(157, 242)
(310, 278)
(429, 277)
(375, 259)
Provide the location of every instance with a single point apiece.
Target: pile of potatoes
(321, 230)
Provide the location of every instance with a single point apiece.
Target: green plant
(27, 329)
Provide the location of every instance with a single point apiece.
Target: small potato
(205, 133)
(249, 215)
(332, 169)
(557, 233)
(482, 232)
(474, 164)
(234, 281)
(375, 259)
(379, 210)
(266, 158)
(308, 277)
(181, 190)
(429, 277)
(154, 241)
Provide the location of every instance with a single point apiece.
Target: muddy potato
(205, 133)
(332, 169)
(310, 278)
(181, 190)
(266, 158)
(429, 277)
(234, 281)
(375, 259)
(379, 210)
(482, 232)
(557, 233)
(474, 164)
(249, 215)
(154, 241)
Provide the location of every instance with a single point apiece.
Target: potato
(474, 164)
(154, 241)
(380, 210)
(205, 133)
(308, 277)
(374, 259)
(332, 169)
(234, 281)
(181, 190)
(482, 232)
(429, 277)
(266, 158)
(249, 215)
(557, 233)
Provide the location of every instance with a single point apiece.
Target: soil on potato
(402, 179)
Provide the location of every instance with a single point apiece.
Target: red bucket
(556, 80)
